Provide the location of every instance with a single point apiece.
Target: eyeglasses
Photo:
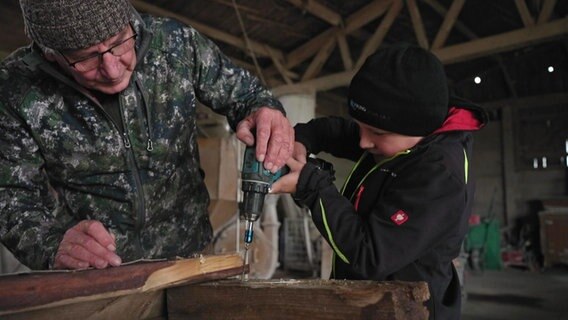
(94, 61)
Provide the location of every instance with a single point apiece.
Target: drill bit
(249, 233)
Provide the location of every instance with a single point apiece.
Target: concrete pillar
(299, 107)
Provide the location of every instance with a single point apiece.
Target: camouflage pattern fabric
(63, 159)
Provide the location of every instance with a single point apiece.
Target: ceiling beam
(319, 60)
(319, 10)
(524, 12)
(448, 24)
(441, 10)
(546, 11)
(377, 38)
(256, 47)
(344, 50)
(457, 53)
(503, 42)
(355, 21)
(417, 24)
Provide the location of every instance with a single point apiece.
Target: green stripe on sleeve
(465, 165)
(330, 237)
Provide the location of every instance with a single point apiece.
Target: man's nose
(110, 65)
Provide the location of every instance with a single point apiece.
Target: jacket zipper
(139, 202)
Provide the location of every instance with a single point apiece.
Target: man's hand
(88, 243)
(274, 136)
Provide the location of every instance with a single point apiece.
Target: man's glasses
(94, 61)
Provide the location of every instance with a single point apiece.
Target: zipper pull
(150, 146)
(127, 144)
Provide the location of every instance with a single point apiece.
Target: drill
(256, 182)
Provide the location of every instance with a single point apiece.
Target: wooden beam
(319, 60)
(355, 21)
(448, 24)
(377, 38)
(452, 54)
(546, 11)
(524, 12)
(442, 11)
(319, 10)
(344, 50)
(417, 24)
(24, 292)
(503, 42)
(257, 47)
(280, 67)
(299, 299)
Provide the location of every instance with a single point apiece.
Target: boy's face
(384, 143)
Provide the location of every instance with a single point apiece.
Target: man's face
(384, 143)
(113, 73)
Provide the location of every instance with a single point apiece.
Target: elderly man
(100, 163)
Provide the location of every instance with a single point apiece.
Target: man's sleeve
(32, 223)
(224, 87)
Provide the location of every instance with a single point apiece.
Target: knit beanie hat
(400, 89)
(73, 24)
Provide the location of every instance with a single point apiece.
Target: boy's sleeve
(377, 246)
(334, 135)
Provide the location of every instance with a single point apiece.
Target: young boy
(402, 213)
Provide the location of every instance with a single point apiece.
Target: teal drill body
(256, 183)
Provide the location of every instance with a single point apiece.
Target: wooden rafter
(448, 24)
(319, 10)
(546, 11)
(319, 60)
(442, 11)
(377, 38)
(526, 16)
(281, 69)
(456, 53)
(344, 50)
(355, 21)
(417, 23)
(258, 48)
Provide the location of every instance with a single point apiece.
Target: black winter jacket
(403, 218)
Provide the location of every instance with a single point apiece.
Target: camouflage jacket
(64, 160)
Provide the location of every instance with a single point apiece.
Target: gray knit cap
(73, 24)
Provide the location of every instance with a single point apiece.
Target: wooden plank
(448, 24)
(441, 10)
(299, 299)
(147, 306)
(417, 24)
(524, 12)
(319, 10)
(24, 292)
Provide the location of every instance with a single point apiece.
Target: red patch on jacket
(399, 217)
(358, 197)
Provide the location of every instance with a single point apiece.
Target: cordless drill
(256, 182)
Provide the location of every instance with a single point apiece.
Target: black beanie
(400, 89)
